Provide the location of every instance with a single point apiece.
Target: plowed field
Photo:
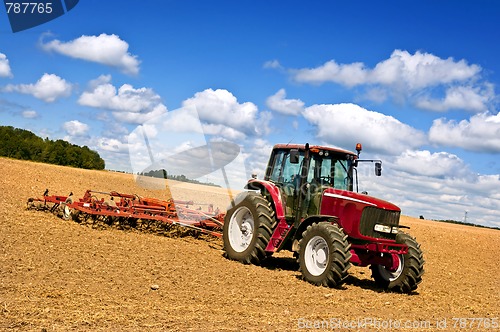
(58, 275)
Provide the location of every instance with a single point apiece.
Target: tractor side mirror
(294, 156)
(378, 169)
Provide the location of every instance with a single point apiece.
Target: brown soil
(57, 275)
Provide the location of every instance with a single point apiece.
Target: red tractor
(307, 204)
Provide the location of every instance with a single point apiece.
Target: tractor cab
(304, 172)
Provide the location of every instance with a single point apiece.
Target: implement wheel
(324, 255)
(408, 274)
(247, 228)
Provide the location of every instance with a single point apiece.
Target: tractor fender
(272, 193)
(306, 223)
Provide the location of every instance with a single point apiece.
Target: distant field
(57, 275)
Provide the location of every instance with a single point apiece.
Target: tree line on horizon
(162, 174)
(24, 145)
(465, 223)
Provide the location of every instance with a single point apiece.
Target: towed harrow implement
(132, 210)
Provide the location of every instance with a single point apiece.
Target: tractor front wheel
(324, 255)
(247, 228)
(408, 274)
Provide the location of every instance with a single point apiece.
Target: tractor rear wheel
(324, 255)
(247, 228)
(406, 277)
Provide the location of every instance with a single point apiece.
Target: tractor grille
(371, 216)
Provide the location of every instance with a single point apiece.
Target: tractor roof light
(359, 148)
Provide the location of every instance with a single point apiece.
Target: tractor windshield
(330, 171)
(324, 169)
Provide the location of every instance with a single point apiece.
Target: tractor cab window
(331, 172)
(341, 178)
(311, 175)
(277, 166)
(283, 170)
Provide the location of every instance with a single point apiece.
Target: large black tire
(409, 273)
(247, 228)
(324, 255)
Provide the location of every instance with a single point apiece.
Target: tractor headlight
(382, 228)
(386, 229)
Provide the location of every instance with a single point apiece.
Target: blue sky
(415, 82)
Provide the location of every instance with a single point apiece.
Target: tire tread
(340, 255)
(264, 220)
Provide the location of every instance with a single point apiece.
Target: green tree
(23, 144)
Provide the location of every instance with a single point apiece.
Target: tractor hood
(357, 199)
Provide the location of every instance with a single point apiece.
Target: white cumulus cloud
(127, 103)
(5, 70)
(76, 128)
(105, 49)
(29, 114)
(480, 133)
(224, 131)
(279, 103)
(459, 97)
(222, 114)
(272, 64)
(48, 88)
(438, 164)
(412, 77)
(421, 70)
(346, 124)
(112, 145)
(257, 156)
(344, 74)
(416, 71)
